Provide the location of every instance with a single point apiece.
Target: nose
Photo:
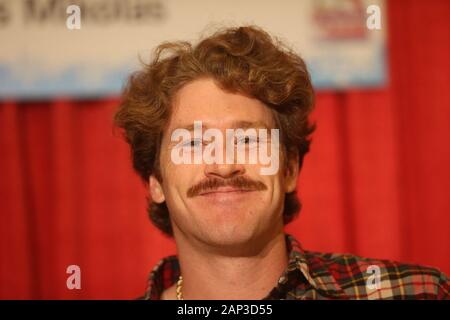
(224, 171)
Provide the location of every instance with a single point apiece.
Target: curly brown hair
(244, 60)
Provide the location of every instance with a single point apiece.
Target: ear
(156, 190)
(291, 172)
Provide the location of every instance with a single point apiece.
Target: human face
(227, 204)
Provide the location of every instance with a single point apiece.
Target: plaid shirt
(313, 275)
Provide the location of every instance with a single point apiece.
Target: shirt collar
(313, 269)
(311, 266)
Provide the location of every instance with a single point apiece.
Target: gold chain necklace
(179, 288)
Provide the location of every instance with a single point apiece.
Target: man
(227, 217)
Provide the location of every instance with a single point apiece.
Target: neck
(215, 274)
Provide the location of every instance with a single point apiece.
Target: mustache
(213, 184)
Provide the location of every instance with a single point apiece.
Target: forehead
(203, 100)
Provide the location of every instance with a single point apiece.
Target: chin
(231, 236)
(231, 227)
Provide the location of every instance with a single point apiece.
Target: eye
(248, 140)
(192, 143)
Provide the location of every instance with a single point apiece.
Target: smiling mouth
(226, 190)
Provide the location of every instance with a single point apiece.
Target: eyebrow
(241, 124)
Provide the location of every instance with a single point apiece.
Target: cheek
(277, 185)
(178, 179)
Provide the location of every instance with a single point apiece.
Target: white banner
(43, 54)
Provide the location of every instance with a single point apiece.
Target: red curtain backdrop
(376, 182)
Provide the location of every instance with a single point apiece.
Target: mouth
(225, 190)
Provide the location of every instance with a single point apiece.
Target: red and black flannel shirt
(313, 275)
